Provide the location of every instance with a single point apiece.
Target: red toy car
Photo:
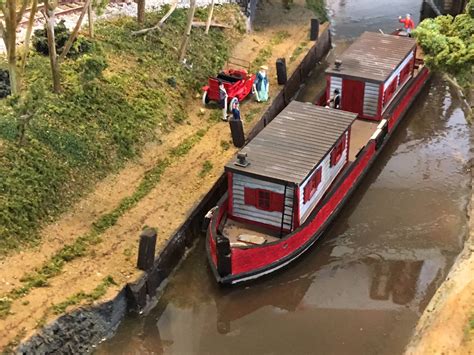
(238, 84)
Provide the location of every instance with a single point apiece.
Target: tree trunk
(187, 33)
(140, 11)
(209, 19)
(29, 29)
(53, 58)
(10, 24)
(74, 32)
(90, 15)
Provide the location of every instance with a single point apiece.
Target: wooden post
(146, 250)
(90, 15)
(187, 34)
(140, 11)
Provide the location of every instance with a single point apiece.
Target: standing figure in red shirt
(408, 23)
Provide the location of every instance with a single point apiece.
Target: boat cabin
(371, 72)
(281, 175)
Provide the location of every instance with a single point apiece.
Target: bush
(61, 34)
(4, 83)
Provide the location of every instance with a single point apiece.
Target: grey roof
(291, 145)
(373, 56)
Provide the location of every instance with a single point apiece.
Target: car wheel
(205, 98)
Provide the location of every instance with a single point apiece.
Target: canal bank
(447, 324)
(85, 327)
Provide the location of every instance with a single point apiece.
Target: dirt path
(165, 207)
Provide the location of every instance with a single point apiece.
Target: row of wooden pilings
(157, 269)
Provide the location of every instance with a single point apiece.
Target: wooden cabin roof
(373, 56)
(291, 145)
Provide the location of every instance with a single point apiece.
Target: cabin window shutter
(276, 202)
(250, 196)
(263, 200)
(312, 185)
(338, 150)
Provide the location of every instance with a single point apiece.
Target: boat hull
(247, 264)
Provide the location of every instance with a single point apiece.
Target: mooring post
(314, 32)
(146, 249)
(237, 132)
(281, 71)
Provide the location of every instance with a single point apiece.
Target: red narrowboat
(288, 183)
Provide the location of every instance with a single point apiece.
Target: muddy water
(361, 289)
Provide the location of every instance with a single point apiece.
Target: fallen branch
(213, 24)
(158, 26)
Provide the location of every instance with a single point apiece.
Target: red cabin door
(352, 96)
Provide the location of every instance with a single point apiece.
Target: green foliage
(206, 168)
(4, 83)
(92, 66)
(225, 145)
(319, 9)
(298, 50)
(279, 37)
(77, 298)
(5, 305)
(54, 147)
(448, 44)
(61, 35)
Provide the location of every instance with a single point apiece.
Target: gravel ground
(128, 8)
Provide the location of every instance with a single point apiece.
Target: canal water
(360, 289)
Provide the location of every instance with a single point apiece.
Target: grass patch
(279, 37)
(187, 144)
(206, 168)
(10, 348)
(251, 114)
(319, 9)
(298, 50)
(79, 297)
(5, 305)
(225, 145)
(99, 121)
(262, 58)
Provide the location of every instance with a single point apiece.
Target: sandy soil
(447, 324)
(165, 207)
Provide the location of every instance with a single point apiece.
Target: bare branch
(21, 12)
(74, 33)
(29, 29)
(158, 26)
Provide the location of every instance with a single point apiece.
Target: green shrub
(4, 83)
(61, 35)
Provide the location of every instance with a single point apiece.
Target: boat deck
(361, 132)
(235, 230)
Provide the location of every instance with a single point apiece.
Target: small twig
(158, 26)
